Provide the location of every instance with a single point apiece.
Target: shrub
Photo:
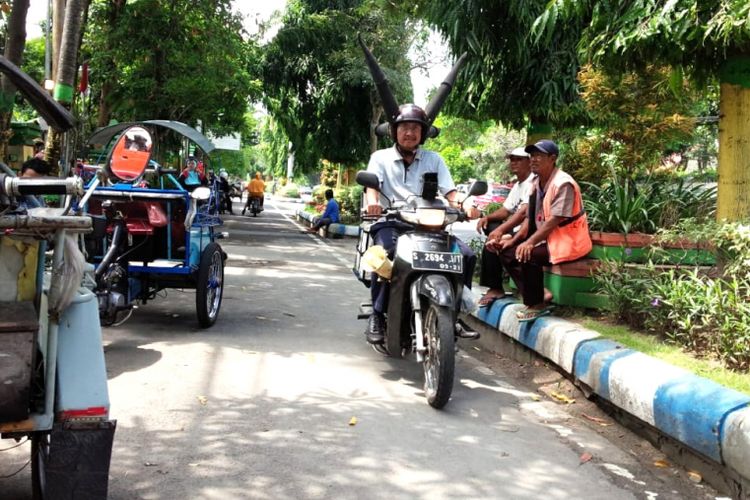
(707, 312)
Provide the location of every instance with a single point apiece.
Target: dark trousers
(528, 276)
(322, 221)
(386, 236)
(491, 269)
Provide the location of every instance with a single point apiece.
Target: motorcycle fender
(436, 288)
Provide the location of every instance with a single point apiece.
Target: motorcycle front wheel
(440, 360)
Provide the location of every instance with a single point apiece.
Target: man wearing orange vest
(555, 229)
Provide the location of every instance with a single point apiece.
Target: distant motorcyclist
(225, 189)
(256, 189)
(400, 170)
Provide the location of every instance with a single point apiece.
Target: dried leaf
(203, 400)
(662, 464)
(353, 421)
(694, 476)
(598, 420)
(562, 397)
(585, 458)
(536, 397)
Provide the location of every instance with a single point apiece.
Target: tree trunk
(733, 200)
(58, 20)
(67, 67)
(14, 46)
(377, 112)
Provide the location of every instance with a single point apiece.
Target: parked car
(496, 194)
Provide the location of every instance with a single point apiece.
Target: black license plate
(437, 261)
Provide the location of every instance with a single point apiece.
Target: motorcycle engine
(113, 295)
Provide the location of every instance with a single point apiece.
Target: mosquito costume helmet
(396, 114)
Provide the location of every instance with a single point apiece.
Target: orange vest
(570, 240)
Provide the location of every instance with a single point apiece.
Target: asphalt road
(282, 398)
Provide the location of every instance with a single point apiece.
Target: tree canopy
(316, 83)
(185, 60)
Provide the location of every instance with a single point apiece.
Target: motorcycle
(254, 205)
(426, 283)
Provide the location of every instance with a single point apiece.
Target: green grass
(674, 355)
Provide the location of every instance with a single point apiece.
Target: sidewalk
(706, 417)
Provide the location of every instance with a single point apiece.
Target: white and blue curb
(707, 417)
(334, 228)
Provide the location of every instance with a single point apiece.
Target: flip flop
(527, 314)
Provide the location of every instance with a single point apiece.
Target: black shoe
(465, 333)
(243, 211)
(375, 329)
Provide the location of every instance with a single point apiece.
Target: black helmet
(411, 113)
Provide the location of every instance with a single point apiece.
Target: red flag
(83, 85)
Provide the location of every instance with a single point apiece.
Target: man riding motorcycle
(400, 170)
(256, 189)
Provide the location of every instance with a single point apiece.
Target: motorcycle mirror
(368, 180)
(478, 188)
(130, 155)
(201, 193)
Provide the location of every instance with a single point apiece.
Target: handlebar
(16, 186)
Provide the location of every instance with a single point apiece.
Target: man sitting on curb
(555, 230)
(330, 215)
(502, 224)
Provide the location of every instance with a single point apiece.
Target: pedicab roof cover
(103, 135)
(52, 112)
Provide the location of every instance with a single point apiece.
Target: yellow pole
(733, 199)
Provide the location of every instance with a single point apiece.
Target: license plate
(437, 261)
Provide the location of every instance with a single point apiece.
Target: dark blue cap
(544, 146)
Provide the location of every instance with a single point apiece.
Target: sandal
(528, 314)
(487, 300)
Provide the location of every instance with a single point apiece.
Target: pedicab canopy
(105, 134)
(130, 155)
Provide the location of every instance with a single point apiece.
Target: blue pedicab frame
(200, 265)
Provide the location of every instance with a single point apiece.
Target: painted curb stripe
(558, 340)
(493, 313)
(692, 410)
(586, 352)
(508, 322)
(735, 441)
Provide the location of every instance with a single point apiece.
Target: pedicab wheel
(439, 363)
(39, 461)
(210, 285)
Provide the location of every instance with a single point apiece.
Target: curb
(335, 228)
(708, 418)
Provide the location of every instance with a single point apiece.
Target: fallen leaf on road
(290, 314)
(353, 421)
(536, 397)
(477, 349)
(662, 464)
(598, 420)
(694, 476)
(150, 464)
(203, 400)
(585, 458)
(562, 397)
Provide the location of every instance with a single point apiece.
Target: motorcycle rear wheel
(440, 361)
